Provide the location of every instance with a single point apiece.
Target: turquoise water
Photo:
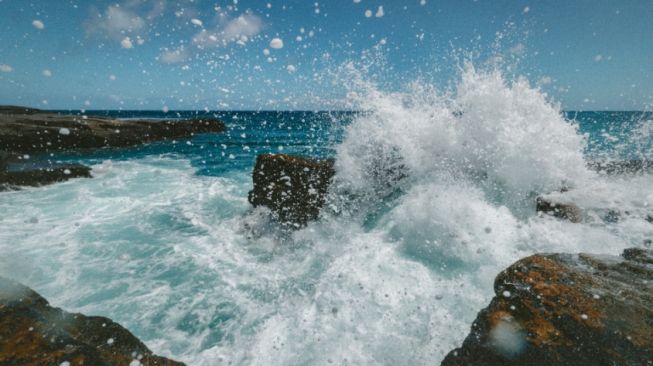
(163, 240)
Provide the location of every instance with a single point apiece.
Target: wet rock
(567, 211)
(34, 333)
(42, 176)
(622, 166)
(293, 187)
(561, 309)
(30, 131)
(4, 161)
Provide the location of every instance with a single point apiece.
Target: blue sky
(197, 54)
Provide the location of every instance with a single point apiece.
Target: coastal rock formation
(42, 176)
(561, 309)
(563, 210)
(34, 333)
(294, 188)
(24, 130)
(622, 166)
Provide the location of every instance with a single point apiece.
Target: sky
(274, 54)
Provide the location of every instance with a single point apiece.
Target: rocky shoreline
(549, 309)
(32, 332)
(25, 131)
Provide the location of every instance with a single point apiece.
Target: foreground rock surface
(24, 130)
(560, 309)
(294, 188)
(34, 333)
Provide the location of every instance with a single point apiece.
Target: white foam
(434, 195)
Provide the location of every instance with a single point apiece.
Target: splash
(504, 137)
(434, 195)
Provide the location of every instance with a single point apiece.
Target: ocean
(163, 240)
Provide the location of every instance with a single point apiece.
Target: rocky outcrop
(563, 210)
(42, 176)
(25, 130)
(622, 166)
(294, 188)
(34, 333)
(561, 309)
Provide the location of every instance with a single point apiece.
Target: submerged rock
(567, 211)
(34, 333)
(294, 188)
(42, 176)
(24, 130)
(561, 309)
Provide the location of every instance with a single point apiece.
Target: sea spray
(435, 194)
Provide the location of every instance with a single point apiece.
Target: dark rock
(560, 309)
(12, 109)
(43, 176)
(4, 161)
(294, 188)
(622, 166)
(34, 333)
(612, 216)
(567, 211)
(35, 131)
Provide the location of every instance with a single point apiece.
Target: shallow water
(163, 240)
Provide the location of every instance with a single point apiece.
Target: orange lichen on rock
(575, 310)
(34, 333)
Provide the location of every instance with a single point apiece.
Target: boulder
(293, 187)
(32, 332)
(32, 131)
(563, 210)
(43, 176)
(562, 309)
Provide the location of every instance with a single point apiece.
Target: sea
(434, 195)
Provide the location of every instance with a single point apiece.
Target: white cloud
(47, 73)
(6, 68)
(379, 12)
(38, 24)
(174, 56)
(129, 19)
(239, 29)
(197, 22)
(126, 43)
(235, 30)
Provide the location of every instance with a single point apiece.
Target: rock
(30, 131)
(4, 161)
(12, 109)
(43, 176)
(34, 333)
(294, 188)
(561, 309)
(567, 211)
(622, 166)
